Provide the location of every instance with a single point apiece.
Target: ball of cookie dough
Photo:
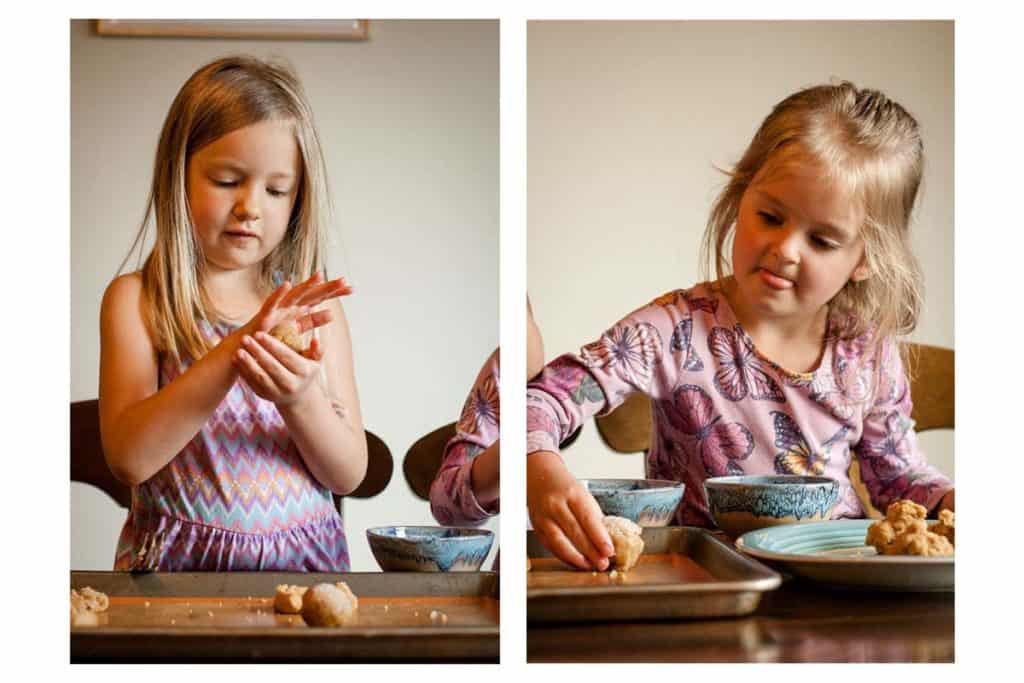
(328, 604)
(288, 333)
(945, 526)
(627, 539)
(288, 599)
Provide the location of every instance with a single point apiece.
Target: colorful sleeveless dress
(238, 497)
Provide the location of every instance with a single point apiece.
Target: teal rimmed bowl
(743, 503)
(648, 502)
(429, 548)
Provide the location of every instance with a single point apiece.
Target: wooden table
(798, 622)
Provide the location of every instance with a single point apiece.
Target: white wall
(409, 122)
(626, 121)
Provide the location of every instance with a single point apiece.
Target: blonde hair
(870, 146)
(221, 97)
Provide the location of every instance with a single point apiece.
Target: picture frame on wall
(273, 29)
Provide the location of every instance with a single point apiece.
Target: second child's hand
(564, 515)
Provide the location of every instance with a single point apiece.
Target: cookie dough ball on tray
(288, 599)
(627, 540)
(328, 604)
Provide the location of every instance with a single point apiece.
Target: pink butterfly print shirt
(721, 408)
(452, 500)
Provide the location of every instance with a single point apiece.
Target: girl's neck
(795, 343)
(235, 294)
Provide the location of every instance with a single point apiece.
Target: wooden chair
(931, 370)
(423, 459)
(89, 466)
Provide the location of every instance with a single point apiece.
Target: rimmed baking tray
(684, 573)
(228, 616)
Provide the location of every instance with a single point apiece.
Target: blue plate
(834, 553)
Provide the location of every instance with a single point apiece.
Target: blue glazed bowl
(429, 548)
(648, 502)
(741, 504)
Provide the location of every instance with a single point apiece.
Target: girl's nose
(787, 246)
(247, 207)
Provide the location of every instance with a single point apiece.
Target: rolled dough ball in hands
(288, 334)
(328, 604)
(627, 539)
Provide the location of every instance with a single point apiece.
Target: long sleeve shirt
(720, 407)
(452, 500)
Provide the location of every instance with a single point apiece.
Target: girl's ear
(861, 272)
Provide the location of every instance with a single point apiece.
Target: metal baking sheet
(684, 573)
(229, 616)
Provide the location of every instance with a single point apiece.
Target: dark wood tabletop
(798, 622)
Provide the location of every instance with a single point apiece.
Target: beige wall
(409, 122)
(626, 121)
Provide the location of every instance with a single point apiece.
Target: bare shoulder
(121, 313)
(124, 294)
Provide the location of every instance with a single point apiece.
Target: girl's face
(797, 243)
(241, 190)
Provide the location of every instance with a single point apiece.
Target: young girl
(231, 440)
(787, 362)
(466, 489)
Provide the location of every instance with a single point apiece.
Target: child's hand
(273, 370)
(564, 514)
(276, 372)
(295, 303)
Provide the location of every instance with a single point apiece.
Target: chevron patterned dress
(238, 497)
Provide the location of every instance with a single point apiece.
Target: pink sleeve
(452, 500)
(892, 464)
(630, 357)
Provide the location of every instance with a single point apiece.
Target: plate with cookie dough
(667, 572)
(901, 552)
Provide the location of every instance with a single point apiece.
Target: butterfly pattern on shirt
(797, 455)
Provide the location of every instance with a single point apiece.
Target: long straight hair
(221, 97)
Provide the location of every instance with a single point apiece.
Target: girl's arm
(634, 355)
(892, 464)
(143, 429)
(324, 422)
(466, 487)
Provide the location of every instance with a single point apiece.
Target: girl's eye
(823, 243)
(276, 193)
(770, 219)
(225, 183)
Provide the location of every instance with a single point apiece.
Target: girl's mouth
(774, 281)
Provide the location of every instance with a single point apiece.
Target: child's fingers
(300, 290)
(253, 373)
(275, 298)
(324, 292)
(314, 352)
(278, 361)
(314, 319)
(555, 541)
(566, 520)
(590, 517)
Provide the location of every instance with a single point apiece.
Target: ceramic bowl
(741, 504)
(648, 502)
(429, 548)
